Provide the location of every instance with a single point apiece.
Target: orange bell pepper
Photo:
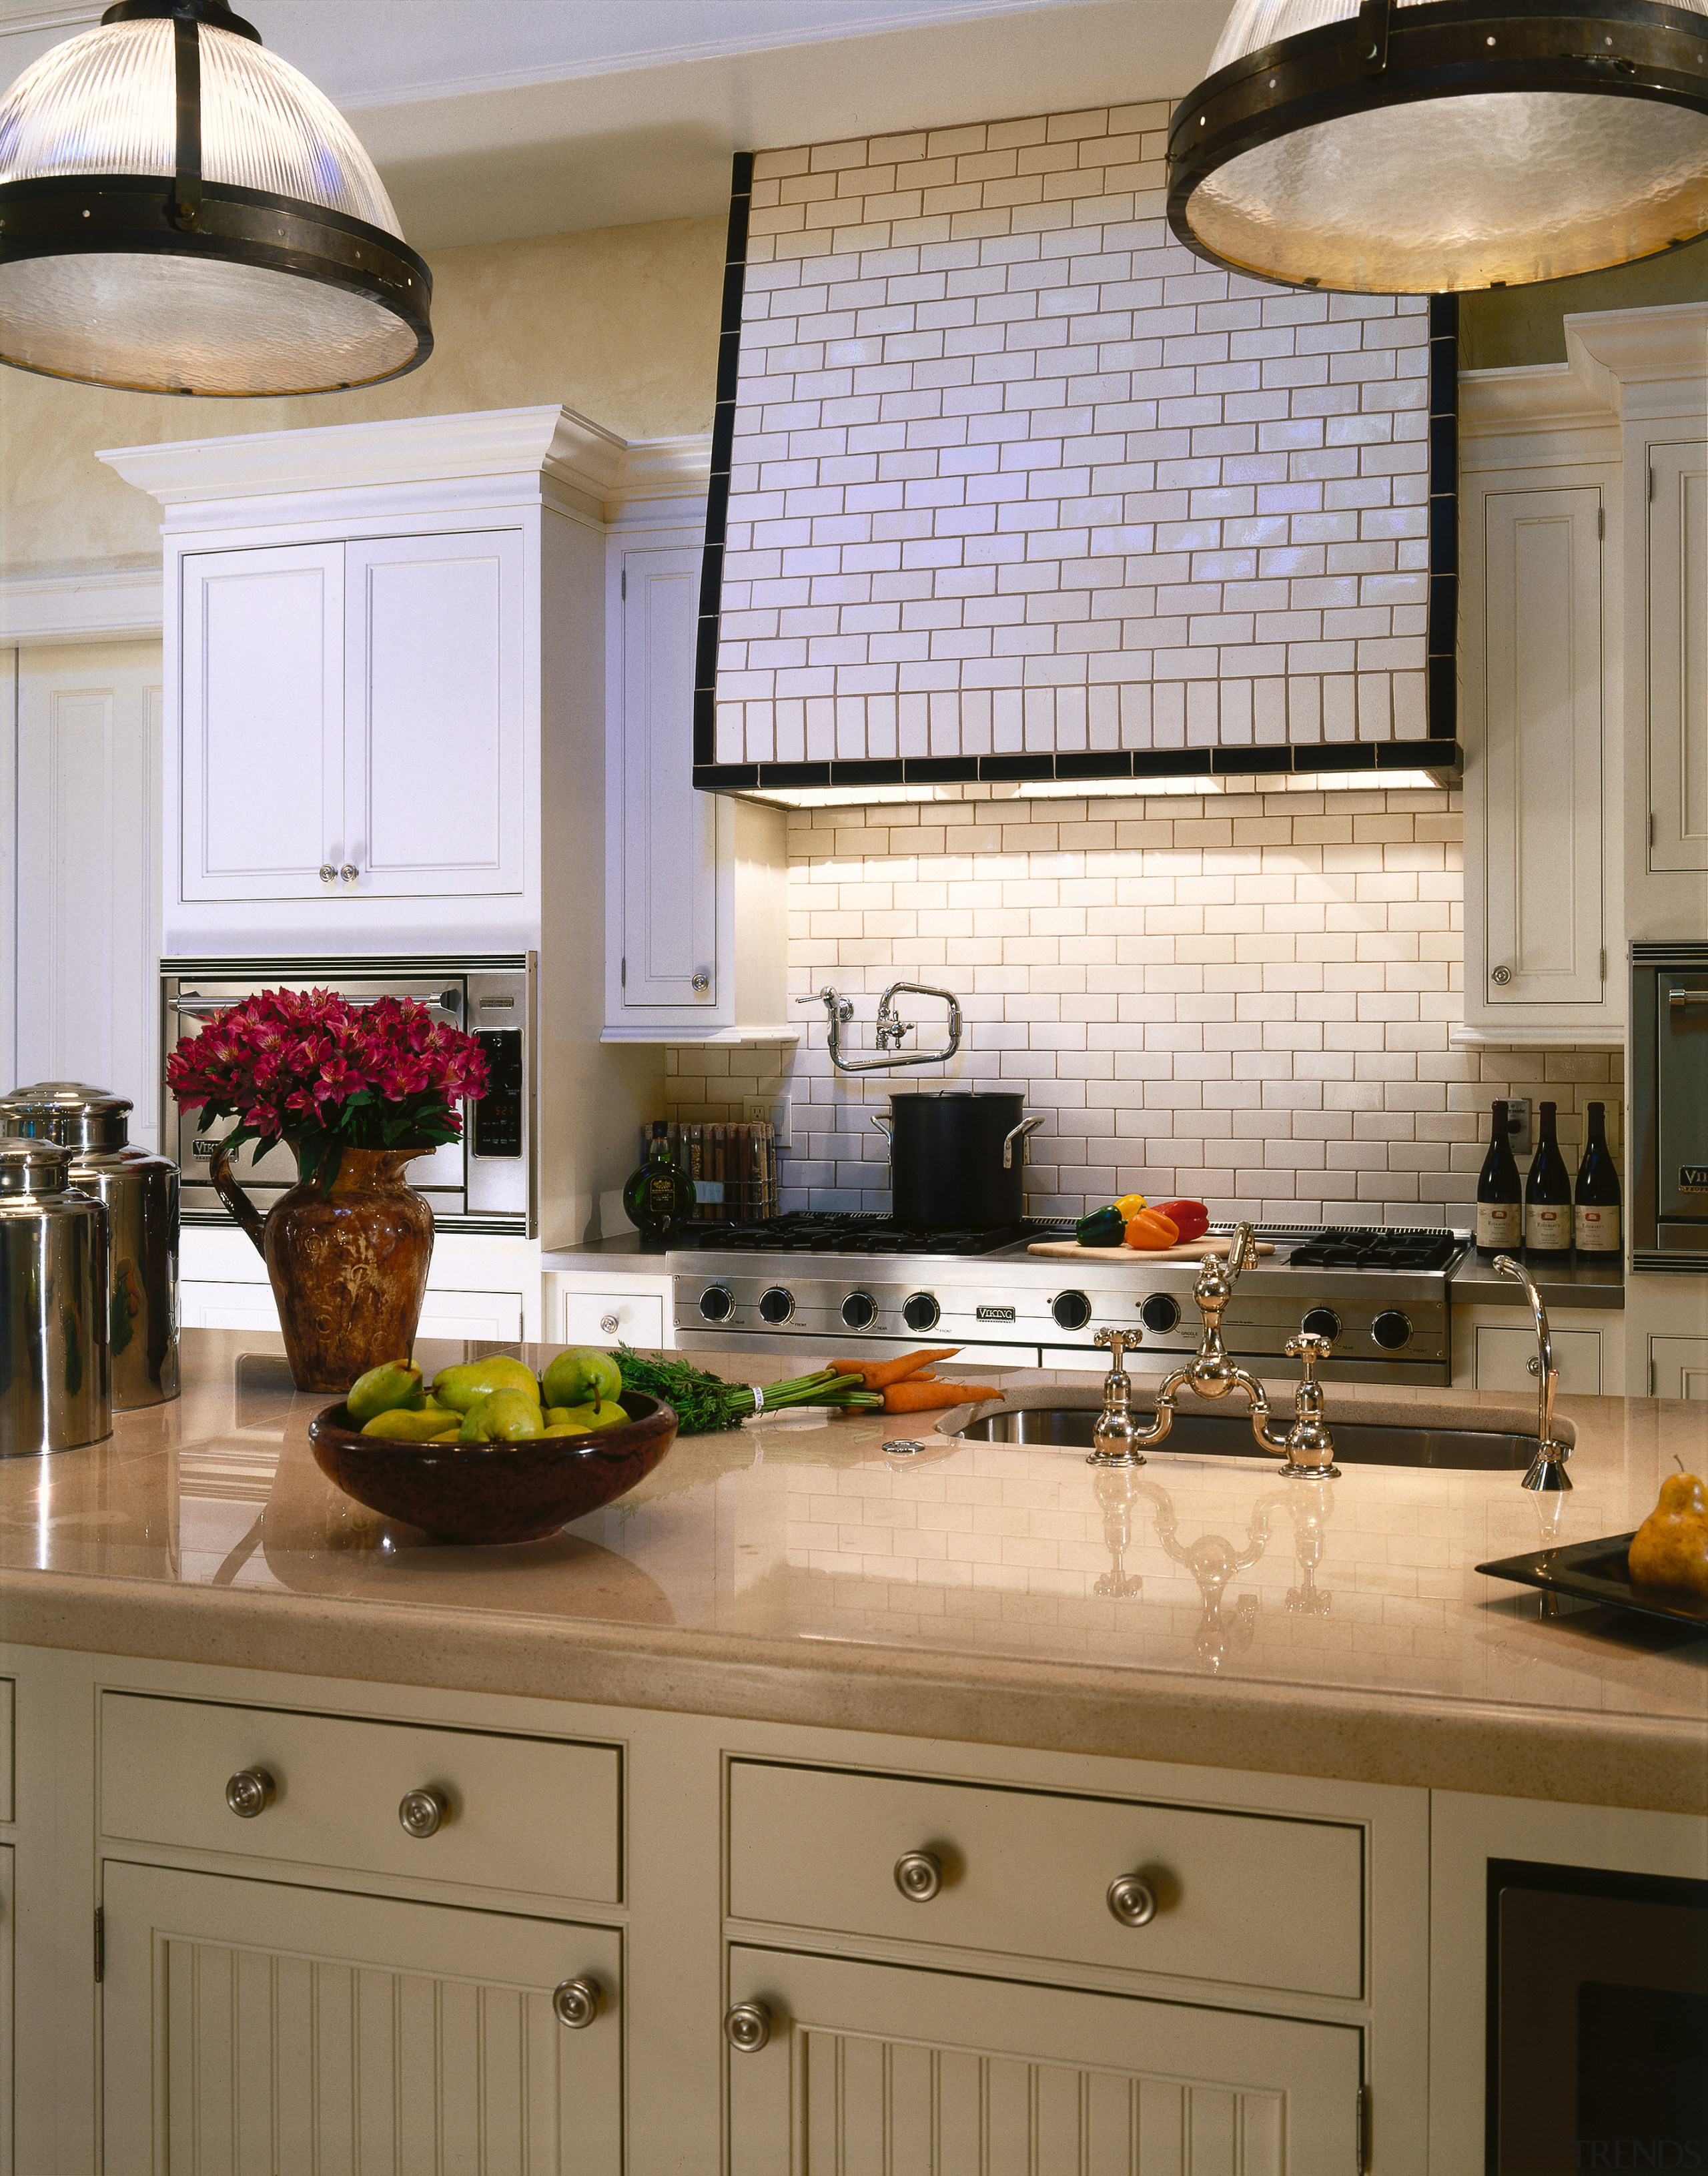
(1150, 1230)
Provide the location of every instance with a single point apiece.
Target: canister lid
(34, 1167)
(70, 1111)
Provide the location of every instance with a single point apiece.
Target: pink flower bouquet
(307, 1068)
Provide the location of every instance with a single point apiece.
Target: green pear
(581, 1376)
(504, 1416)
(393, 1383)
(457, 1388)
(584, 1420)
(406, 1424)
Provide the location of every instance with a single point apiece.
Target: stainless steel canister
(55, 1387)
(141, 1192)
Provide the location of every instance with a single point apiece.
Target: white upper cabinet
(435, 749)
(1542, 814)
(669, 833)
(261, 724)
(1677, 656)
(696, 895)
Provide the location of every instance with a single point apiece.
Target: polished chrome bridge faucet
(1306, 1450)
(1547, 1470)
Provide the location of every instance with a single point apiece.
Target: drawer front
(522, 1814)
(1504, 1356)
(602, 1318)
(1242, 1899)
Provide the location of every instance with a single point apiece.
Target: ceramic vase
(348, 1267)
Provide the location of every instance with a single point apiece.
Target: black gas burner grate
(1360, 1247)
(865, 1232)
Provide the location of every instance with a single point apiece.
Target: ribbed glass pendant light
(1425, 146)
(181, 212)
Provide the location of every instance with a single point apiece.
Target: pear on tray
(1670, 1548)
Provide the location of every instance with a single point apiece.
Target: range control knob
(1323, 1322)
(921, 1312)
(1071, 1309)
(777, 1304)
(1391, 1330)
(1161, 1312)
(716, 1304)
(859, 1310)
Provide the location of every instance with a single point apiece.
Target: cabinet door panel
(1678, 655)
(883, 2068)
(1543, 845)
(89, 870)
(437, 785)
(669, 831)
(262, 724)
(248, 2026)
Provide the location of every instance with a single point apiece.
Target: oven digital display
(498, 1114)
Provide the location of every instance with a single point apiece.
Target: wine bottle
(1596, 1202)
(659, 1195)
(1500, 1217)
(1547, 1194)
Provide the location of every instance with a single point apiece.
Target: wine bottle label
(1549, 1229)
(1596, 1231)
(1497, 1223)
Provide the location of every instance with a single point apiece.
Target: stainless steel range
(862, 1283)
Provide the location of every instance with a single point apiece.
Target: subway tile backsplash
(1244, 997)
(1014, 470)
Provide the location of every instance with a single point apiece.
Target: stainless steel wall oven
(1669, 1106)
(483, 1183)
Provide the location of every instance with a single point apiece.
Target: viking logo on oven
(1692, 1179)
(995, 1314)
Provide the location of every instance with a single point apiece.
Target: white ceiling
(495, 118)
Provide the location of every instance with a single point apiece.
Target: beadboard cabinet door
(1537, 829)
(872, 2067)
(261, 722)
(1677, 645)
(249, 2027)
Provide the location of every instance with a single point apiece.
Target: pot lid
(957, 1096)
(70, 1111)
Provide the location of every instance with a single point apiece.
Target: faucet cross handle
(1117, 1343)
(1310, 1349)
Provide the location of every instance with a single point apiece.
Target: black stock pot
(957, 1159)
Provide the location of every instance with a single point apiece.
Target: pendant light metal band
(1386, 55)
(187, 184)
(214, 13)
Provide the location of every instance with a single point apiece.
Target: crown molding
(96, 607)
(1643, 362)
(510, 443)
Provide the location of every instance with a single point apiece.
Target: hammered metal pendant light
(1426, 146)
(181, 212)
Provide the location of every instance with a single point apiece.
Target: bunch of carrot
(906, 1386)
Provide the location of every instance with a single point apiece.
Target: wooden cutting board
(1191, 1250)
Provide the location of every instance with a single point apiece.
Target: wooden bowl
(493, 1491)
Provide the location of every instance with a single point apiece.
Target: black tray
(1595, 1571)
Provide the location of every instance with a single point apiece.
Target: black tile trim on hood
(1440, 755)
(1443, 760)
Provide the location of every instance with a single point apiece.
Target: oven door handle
(436, 994)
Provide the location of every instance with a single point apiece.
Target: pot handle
(883, 1126)
(246, 1213)
(1019, 1135)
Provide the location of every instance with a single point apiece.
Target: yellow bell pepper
(1129, 1204)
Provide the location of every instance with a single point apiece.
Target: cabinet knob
(1131, 1900)
(250, 1792)
(609, 1325)
(748, 2027)
(699, 981)
(421, 1812)
(349, 872)
(1501, 977)
(575, 2003)
(918, 1875)
(328, 875)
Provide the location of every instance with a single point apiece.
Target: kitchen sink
(1228, 1435)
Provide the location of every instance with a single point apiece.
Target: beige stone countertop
(791, 1570)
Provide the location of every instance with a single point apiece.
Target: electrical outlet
(1516, 1111)
(761, 1107)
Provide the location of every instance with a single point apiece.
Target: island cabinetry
(696, 893)
(352, 718)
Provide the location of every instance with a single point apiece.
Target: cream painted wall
(620, 324)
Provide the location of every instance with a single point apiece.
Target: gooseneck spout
(1307, 1447)
(1547, 1470)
